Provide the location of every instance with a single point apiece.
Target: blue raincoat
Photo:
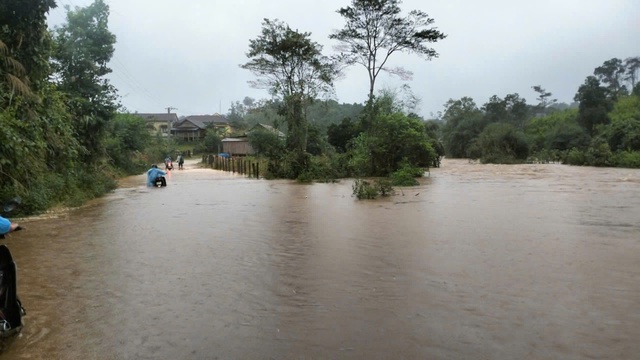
(5, 225)
(152, 174)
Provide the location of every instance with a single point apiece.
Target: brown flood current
(478, 262)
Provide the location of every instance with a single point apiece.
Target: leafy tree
(463, 122)
(391, 100)
(392, 139)
(611, 74)
(236, 115)
(84, 46)
(266, 112)
(317, 142)
(544, 99)
(541, 129)
(239, 110)
(594, 104)
(212, 141)
(566, 136)
(502, 143)
(632, 65)
(341, 135)
(512, 109)
(24, 43)
(131, 131)
(624, 131)
(327, 112)
(291, 65)
(266, 143)
(495, 110)
(127, 138)
(375, 30)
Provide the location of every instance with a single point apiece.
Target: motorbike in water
(11, 309)
(168, 165)
(160, 181)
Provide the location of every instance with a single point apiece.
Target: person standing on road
(180, 161)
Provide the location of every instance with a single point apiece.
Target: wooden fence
(233, 165)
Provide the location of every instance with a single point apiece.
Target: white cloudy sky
(186, 53)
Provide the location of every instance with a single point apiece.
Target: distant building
(194, 127)
(269, 128)
(159, 122)
(239, 146)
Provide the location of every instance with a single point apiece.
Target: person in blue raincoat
(6, 226)
(153, 174)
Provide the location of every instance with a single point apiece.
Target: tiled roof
(201, 121)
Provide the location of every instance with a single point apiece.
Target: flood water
(478, 262)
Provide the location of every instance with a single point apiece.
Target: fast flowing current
(478, 262)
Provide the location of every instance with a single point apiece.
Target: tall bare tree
(375, 29)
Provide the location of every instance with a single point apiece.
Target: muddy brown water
(478, 262)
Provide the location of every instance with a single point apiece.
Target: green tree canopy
(24, 44)
(594, 104)
(624, 131)
(84, 46)
(502, 143)
(463, 122)
(611, 74)
(291, 65)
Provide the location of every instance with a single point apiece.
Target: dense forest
(64, 137)
(602, 129)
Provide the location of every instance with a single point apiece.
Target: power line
(135, 86)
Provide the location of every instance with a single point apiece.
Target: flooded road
(478, 262)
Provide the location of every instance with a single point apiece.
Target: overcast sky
(186, 53)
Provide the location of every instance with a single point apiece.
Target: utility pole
(169, 119)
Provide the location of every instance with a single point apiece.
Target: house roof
(154, 117)
(202, 121)
(268, 128)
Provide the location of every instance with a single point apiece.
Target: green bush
(502, 143)
(321, 169)
(626, 159)
(384, 187)
(575, 157)
(598, 154)
(406, 175)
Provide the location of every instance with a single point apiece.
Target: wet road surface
(478, 262)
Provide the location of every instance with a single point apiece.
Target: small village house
(194, 127)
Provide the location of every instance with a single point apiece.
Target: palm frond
(17, 85)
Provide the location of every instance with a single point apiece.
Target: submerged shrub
(406, 175)
(363, 189)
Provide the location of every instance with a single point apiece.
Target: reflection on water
(478, 262)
